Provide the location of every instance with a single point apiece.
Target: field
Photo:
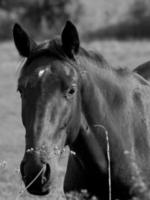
(130, 54)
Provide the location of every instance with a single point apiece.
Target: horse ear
(70, 39)
(22, 41)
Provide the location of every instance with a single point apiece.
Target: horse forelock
(58, 63)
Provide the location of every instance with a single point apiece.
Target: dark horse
(73, 97)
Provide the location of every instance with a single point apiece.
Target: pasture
(130, 54)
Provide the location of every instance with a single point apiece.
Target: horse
(73, 97)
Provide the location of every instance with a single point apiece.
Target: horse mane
(94, 57)
(48, 48)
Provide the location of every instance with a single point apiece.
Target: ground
(130, 54)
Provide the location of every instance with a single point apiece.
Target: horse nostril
(46, 173)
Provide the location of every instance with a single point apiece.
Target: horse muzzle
(36, 176)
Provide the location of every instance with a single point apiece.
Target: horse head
(49, 86)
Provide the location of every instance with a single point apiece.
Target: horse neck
(103, 94)
(98, 90)
(91, 139)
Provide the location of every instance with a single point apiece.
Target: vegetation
(130, 22)
(44, 17)
(97, 18)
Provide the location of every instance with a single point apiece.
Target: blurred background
(118, 29)
(95, 18)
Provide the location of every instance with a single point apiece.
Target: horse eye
(71, 91)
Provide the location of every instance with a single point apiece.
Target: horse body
(73, 97)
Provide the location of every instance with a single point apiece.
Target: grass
(128, 54)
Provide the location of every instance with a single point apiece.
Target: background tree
(47, 16)
(44, 17)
